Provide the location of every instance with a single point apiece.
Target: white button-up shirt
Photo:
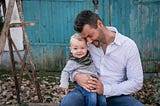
(120, 67)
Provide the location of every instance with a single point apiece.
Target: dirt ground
(149, 95)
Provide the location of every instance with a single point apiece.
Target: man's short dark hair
(85, 17)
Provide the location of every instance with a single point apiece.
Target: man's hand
(96, 85)
(82, 80)
(89, 83)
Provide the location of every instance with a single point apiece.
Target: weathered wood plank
(20, 24)
(43, 104)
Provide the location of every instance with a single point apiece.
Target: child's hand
(65, 90)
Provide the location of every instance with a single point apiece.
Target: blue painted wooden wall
(138, 19)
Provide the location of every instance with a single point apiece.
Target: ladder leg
(14, 69)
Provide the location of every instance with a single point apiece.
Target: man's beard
(99, 42)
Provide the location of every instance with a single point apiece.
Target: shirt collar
(117, 36)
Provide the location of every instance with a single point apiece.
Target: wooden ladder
(26, 62)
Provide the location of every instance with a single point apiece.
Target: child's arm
(64, 81)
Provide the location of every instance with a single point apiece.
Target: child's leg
(101, 100)
(90, 97)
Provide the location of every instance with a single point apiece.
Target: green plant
(5, 73)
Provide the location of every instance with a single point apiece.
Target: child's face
(78, 48)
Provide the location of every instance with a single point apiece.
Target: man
(117, 62)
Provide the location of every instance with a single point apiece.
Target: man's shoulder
(126, 39)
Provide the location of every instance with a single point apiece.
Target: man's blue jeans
(91, 99)
(75, 98)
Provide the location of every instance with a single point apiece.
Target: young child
(80, 61)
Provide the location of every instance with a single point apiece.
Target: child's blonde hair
(78, 37)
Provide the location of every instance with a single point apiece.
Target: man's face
(93, 35)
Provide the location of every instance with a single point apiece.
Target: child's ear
(70, 49)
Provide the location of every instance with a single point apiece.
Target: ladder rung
(20, 24)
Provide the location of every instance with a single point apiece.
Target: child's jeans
(91, 98)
